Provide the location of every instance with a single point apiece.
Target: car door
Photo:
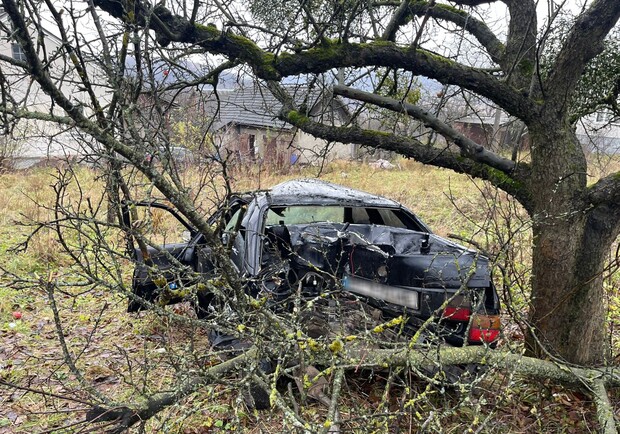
(163, 245)
(170, 254)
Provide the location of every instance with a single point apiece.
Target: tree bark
(567, 314)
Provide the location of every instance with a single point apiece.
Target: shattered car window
(392, 219)
(294, 215)
(305, 214)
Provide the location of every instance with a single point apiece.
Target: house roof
(248, 106)
(254, 106)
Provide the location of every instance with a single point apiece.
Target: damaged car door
(171, 256)
(159, 240)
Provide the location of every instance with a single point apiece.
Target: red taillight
(484, 328)
(483, 335)
(458, 309)
(456, 313)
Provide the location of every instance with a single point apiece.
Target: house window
(603, 116)
(252, 145)
(18, 52)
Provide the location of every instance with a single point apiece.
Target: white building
(246, 123)
(26, 141)
(600, 132)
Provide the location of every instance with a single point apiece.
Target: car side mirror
(226, 238)
(186, 236)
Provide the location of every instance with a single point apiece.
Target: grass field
(120, 356)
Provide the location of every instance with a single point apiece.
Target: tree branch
(418, 61)
(399, 18)
(515, 184)
(606, 191)
(173, 28)
(11, 61)
(528, 366)
(469, 148)
(40, 116)
(484, 35)
(321, 59)
(520, 55)
(604, 409)
(129, 416)
(475, 2)
(584, 42)
(592, 381)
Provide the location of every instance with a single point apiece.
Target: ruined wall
(259, 146)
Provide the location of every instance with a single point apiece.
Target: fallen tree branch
(590, 380)
(129, 416)
(593, 381)
(527, 366)
(604, 410)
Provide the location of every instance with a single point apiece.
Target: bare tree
(116, 85)
(574, 224)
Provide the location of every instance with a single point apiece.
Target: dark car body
(314, 236)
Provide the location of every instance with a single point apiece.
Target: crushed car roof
(319, 192)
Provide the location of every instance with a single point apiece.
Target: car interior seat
(279, 238)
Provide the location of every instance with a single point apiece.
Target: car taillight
(458, 309)
(484, 328)
(456, 313)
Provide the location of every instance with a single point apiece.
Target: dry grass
(117, 349)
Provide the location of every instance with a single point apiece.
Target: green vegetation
(297, 118)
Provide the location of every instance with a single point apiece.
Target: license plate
(391, 294)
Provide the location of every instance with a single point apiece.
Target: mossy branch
(412, 148)
(593, 381)
(469, 148)
(325, 57)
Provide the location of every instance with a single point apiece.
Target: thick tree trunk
(567, 313)
(568, 307)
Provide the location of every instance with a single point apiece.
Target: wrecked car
(308, 238)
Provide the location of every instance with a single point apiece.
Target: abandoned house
(247, 127)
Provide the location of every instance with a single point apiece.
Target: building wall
(311, 150)
(597, 134)
(34, 140)
(279, 149)
(478, 133)
(246, 145)
(483, 134)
